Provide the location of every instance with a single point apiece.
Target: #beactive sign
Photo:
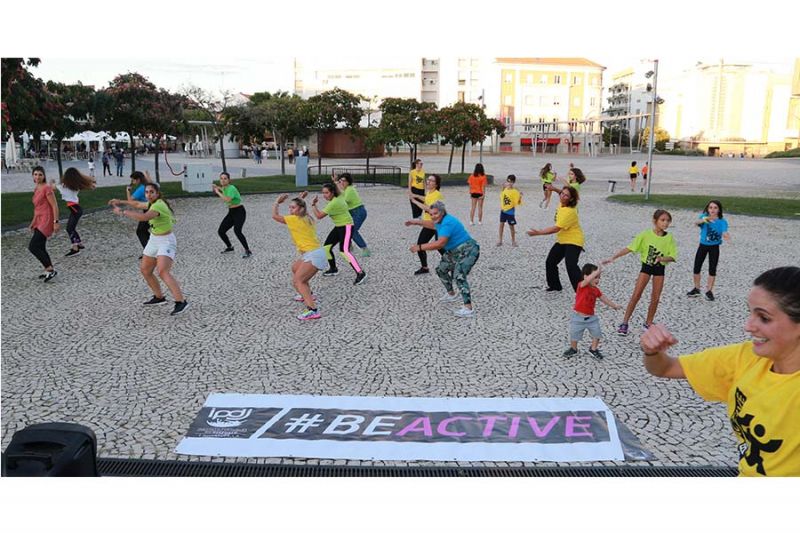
(380, 428)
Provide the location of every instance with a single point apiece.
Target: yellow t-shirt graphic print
(763, 406)
(509, 199)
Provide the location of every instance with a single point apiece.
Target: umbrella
(11, 152)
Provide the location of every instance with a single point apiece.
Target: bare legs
(476, 202)
(302, 272)
(164, 264)
(638, 290)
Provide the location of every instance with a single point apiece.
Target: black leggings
(234, 219)
(425, 235)
(712, 251)
(569, 253)
(38, 247)
(342, 235)
(416, 210)
(143, 232)
(75, 213)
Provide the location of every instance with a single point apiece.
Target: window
(529, 79)
(507, 100)
(461, 96)
(543, 79)
(576, 80)
(592, 101)
(509, 77)
(557, 79)
(529, 100)
(556, 101)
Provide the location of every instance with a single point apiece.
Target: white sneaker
(450, 297)
(480, 223)
(299, 297)
(464, 312)
(471, 223)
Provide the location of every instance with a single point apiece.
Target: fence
(372, 175)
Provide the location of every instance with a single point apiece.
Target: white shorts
(317, 257)
(161, 245)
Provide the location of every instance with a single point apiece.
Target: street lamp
(654, 74)
(483, 107)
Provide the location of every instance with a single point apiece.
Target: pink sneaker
(309, 314)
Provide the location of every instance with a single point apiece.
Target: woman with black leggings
(236, 214)
(44, 223)
(432, 195)
(713, 228)
(72, 183)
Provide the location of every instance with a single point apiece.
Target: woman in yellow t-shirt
(416, 185)
(569, 241)
(432, 195)
(656, 248)
(758, 379)
(312, 256)
(633, 172)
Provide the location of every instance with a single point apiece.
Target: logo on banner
(228, 418)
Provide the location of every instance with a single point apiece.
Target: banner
(405, 429)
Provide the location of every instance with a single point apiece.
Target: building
(630, 98)
(792, 138)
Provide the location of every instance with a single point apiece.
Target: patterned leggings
(455, 266)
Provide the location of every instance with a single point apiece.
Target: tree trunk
(463, 153)
(450, 163)
(222, 151)
(411, 155)
(319, 153)
(133, 154)
(155, 166)
(282, 146)
(58, 158)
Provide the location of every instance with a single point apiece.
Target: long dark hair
(573, 196)
(438, 180)
(545, 169)
(331, 187)
(719, 204)
(784, 284)
(478, 170)
(140, 176)
(579, 177)
(157, 188)
(74, 180)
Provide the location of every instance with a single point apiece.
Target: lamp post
(483, 107)
(654, 74)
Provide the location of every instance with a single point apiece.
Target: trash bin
(612, 185)
(301, 171)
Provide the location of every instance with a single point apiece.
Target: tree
(661, 138)
(69, 108)
(202, 105)
(460, 124)
(330, 110)
(371, 135)
(22, 94)
(286, 115)
(405, 120)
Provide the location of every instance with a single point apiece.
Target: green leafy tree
(661, 138)
(288, 118)
(459, 124)
(22, 94)
(331, 110)
(408, 121)
(201, 105)
(69, 108)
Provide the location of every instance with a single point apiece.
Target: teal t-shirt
(352, 198)
(233, 193)
(338, 211)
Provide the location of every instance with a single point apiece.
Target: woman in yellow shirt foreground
(759, 379)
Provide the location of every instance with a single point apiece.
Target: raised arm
(276, 216)
(218, 191)
(655, 342)
(130, 203)
(624, 251)
(317, 213)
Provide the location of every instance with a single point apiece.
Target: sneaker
(450, 297)
(499, 244)
(309, 314)
(596, 354)
(247, 254)
(156, 301)
(72, 252)
(464, 312)
(331, 272)
(365, 252)
(42, 276)
(551, 289)
(299, 297)
(570, 352)
(710, 296)
(422, 270)
(81, 247)
(693, 293)
(226, 250)
(360, 277)
(50, 275)
(180, 307)
(480, 223)
(471, 223)
(514, 245)
(623, 329)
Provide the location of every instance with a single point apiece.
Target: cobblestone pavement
(83, 348)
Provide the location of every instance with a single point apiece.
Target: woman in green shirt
(161, 247)
(356, 207)
(236, 214)
(341, 233)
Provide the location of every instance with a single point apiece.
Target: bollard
(611, 185)
(244, 172)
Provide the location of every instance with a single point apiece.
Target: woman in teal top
(236, 214)
(356, 207)
(342, 231)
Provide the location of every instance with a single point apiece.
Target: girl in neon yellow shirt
(656, 248)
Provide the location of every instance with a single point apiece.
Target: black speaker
(53, 449)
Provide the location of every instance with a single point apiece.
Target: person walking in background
(44, 223)
(303, 231)
(547, 176)
(645, 170)
(416, 184)
(510, 198)
(356, 207)
(656, 248)
(236, 217)
(583, 316)
(713, 229)
(569, 241)
(758, 379)
(161, 248)
(90, 166)
(72, 183)
(290, 155)
(432, 185)
(633, 173)
(461, 252)
(477, 189)
(119, 157)
(106, 164)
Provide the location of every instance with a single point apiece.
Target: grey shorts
(579, 323)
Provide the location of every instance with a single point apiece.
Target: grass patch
(739, 205)
(794, 152)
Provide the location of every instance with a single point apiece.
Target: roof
(565, 61)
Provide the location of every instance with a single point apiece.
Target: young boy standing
(583, 317)
(510, 198)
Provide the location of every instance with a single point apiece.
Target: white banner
(404, 429)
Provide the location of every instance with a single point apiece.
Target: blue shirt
(711, 232)
(138, 194)
(454, 230)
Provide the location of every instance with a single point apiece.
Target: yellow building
(792, 139)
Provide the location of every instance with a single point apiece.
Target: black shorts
(633, 176)
(506, 217)
(652, 270)
(545, 186)
(476, 194)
